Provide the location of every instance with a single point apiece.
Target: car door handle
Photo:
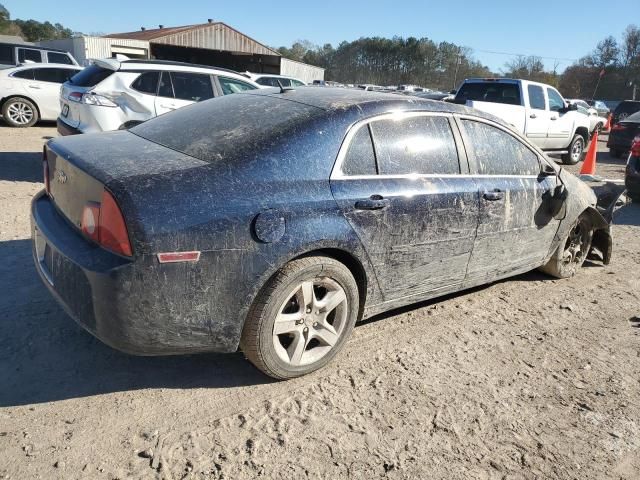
(374, 202)
(533, 115)
(164, 105)
(493, 195)
(35, 87)
(553, 118)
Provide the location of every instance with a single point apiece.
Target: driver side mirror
(547, 170)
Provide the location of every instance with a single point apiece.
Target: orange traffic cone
(589, 165)
(607, 127)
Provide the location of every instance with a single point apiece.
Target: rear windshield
(226, 127)
(628, 107)
(90, 76)
(633, 118)
(489, 92)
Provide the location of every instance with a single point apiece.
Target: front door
(560, 124)
(399, 186)
(515, 230)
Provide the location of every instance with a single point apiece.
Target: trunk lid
(81, 166)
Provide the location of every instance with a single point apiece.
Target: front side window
(192, 86)
(55, 57)
(415, 145)
(267, 81)
(498, 153)
(147, 82)
(360, 159)
(29, 55)
(297, 83)
(53, 75)
(536, 97)
(555, 100)
(231, 85)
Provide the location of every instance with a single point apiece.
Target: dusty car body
(224, 202)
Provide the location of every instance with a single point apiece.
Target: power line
(523, 55)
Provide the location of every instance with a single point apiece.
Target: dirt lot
(526, 378)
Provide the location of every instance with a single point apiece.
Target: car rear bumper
(65, 129)
(128, 304)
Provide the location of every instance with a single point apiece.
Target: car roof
(33, 47)
(31, 66)
(127, 65)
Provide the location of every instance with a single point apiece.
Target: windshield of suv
(489, 92)
(90, 76)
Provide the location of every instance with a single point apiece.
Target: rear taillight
(75, 96)
(635, 147)
(45, 171)
(104, 224)
(617, 127)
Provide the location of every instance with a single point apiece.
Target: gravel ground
(526, 378)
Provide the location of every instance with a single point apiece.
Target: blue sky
(545, 28)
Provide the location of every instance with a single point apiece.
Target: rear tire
(302, 317)
(572, 252)
(19, 112)
(576, 150)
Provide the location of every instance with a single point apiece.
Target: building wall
(85, 48)
(306, 73)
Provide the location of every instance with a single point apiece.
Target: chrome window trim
(337, 174)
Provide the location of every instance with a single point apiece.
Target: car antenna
(284, 89)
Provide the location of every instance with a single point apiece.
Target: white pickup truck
(536, 110)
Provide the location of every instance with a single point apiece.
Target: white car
(266, 80)
(31, 93)
(111, 94)
(596, 122)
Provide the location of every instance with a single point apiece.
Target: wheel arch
(584, 133)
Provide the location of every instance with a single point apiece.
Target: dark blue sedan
(272, 222)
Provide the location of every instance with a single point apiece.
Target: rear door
(560, 124)
(178, 89)
(514, 229)
(400, 184)
(46, 89)
(537, 120)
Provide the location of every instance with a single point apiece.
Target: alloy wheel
(310, 322)
(577, 149)
(20, 113)
(575, 250)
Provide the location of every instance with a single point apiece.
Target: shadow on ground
(21, 166)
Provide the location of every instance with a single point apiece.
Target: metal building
(211, 43)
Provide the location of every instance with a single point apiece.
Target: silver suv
(112, 94)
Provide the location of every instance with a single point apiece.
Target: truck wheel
(576, 149)
(302, 317)
(571, 254)
(19, 112)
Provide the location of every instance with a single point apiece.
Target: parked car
(31, 93)
(624, 109)
(112, 94)
(632, 172)
(16, 54)
(270, 80)
(275, 221)
(600, 106)
(596, 122)
(534, 109)
(622, 135)
(433, 95)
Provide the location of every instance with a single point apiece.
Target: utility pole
(458, 63)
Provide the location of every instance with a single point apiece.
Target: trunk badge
(61, 176)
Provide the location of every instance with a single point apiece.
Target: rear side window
(191, 86)
(536, 97)
(53, 75)
(29, 55)
(6, 55)
(231, 85)
(421, 145)
(90, 76)
(166, 87)
(147, 83)
(494, 92)
(498, 153)
(360, 159)
(56, 57)
(555, 100)
(296, 83)
(267, 81)
(26, 74)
